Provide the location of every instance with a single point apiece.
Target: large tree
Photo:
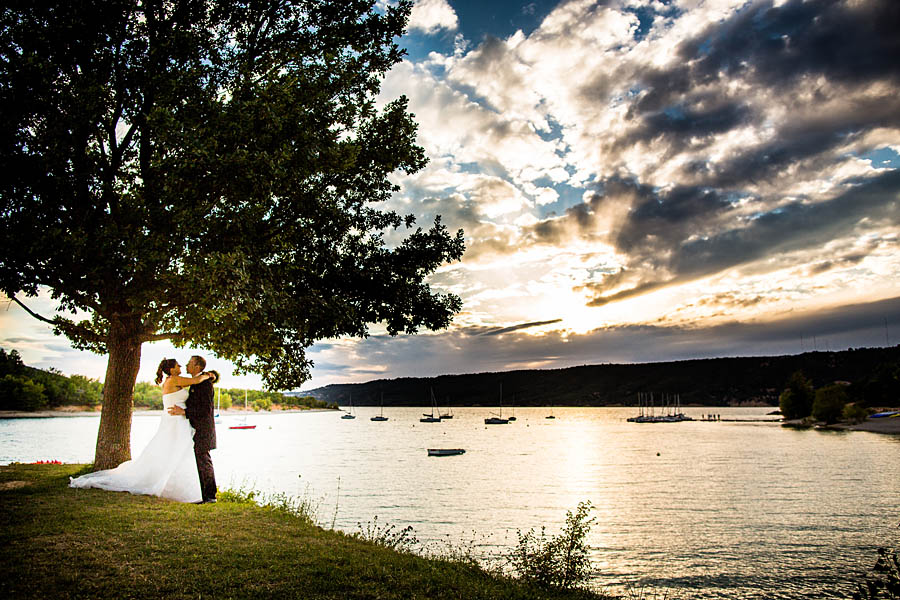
(209, 172)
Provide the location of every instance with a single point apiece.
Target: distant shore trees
(27, 388)
(210, 173)
(796, 400)
(829, 403)
(841, 400)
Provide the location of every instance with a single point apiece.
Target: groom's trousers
(207, 475)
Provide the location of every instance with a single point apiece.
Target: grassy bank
(66, 543)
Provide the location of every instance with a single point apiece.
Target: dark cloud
(804, 139)
(814, 58)
(637, 290)
(772, 46)
(679, 121)
(844, 261)
(845, 41)
(792, 227)
(660, 235)
(666, 218)
(510, 329)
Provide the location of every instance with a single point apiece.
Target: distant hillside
(708, 382)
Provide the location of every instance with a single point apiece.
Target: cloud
(474, 349)
(431, 16)
(511, 328)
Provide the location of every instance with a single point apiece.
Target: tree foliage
(796, 400)
(880, 388)
(829, 403)
(209, 168)
(209, 172)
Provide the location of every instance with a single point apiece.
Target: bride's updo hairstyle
(165, 367)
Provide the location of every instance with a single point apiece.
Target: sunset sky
(637, 181)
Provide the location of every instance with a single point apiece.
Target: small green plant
(883, 583)
(388, 536)
(561, 561)
(465, 552)
(240, 495)
(643, 593)
(855, 413)
(302, 507)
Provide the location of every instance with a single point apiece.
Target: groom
(199, 410)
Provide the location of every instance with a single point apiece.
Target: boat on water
(242, 424)
(498, 418)
(449, 413)
(380, 416)
(349, 414)
(429, 417)
(445, 451)
(670, 410)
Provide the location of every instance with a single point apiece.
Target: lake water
(727, 509)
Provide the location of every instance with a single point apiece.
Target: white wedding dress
(166, 467)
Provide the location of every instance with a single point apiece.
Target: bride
(167, 466)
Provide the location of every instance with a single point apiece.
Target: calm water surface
(728, 509)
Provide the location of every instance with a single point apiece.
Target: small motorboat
(445, 451)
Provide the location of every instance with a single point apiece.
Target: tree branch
(155, 337)
(63, 325)
(32, 313)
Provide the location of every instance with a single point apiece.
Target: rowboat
(445, 451)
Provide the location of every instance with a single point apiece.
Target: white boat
(429, 417)
(445, 451)
(349, 414)
(670, 410)
(380, 416)
(498, 419)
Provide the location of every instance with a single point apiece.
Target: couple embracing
(176, 463)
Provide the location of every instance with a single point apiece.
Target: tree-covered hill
(26, 388)
(709, 382)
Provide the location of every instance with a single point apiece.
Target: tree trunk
(114, 437)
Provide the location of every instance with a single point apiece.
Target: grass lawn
(58, 542)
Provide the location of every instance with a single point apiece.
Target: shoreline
(889, 426)
(50, 414)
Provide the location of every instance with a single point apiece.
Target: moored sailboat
(429, 417)
(380, 416)
(498, 419)
(349, 414)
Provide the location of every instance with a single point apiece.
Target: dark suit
(199, 410)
